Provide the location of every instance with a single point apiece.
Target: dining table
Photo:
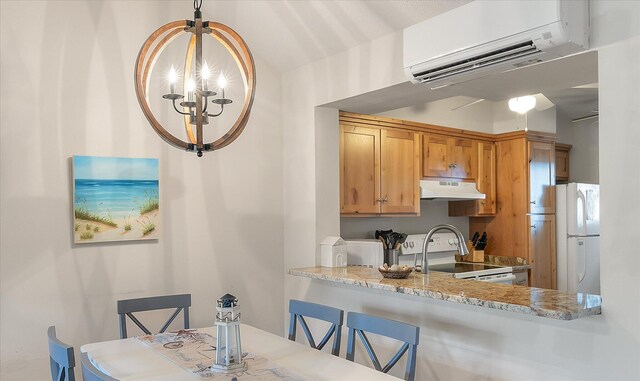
(269, 357)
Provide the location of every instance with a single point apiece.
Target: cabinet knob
(533, 226)
(533, 202)
(483, 203)
(385, 199)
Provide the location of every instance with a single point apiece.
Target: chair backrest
(61, 358)
(298, 309)
(129, 306)
(90, 372)
(359, 323)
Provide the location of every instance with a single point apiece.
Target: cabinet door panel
(359, 170)
(562, 165)
(542, 178)
(463, 154)
(400, 155)
(435, 162)
(487, 177)
(542, 251)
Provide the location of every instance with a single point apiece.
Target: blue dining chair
(90, 372)
(359, 323)
(61, 358)
(299, 309)
(127, 307)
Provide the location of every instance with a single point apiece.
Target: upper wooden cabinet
(542, 178)
(379, 171)
(562, 162)
(487, 178)
(486, 184)
(449, 157)
(359, 170)
(400, 172)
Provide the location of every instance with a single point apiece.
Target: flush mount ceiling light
(522, 105)
(195, 109)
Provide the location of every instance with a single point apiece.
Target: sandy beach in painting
(109, 233)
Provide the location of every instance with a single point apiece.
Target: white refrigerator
(578, 236)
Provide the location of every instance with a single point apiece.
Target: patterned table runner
(195, 351)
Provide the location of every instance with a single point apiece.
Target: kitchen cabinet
(542, 178)
(562, 162)
(542, 250)
(524, 223)
(449, 157)
(379, 171)
(486, 183)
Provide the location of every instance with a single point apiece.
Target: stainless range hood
(449, 190)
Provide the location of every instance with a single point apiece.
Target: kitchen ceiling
(554, 79)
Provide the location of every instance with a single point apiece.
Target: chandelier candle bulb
(173, 77)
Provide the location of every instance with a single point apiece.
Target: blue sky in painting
(114, 168)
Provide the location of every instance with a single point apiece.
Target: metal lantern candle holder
(228, 345)
(192, 102)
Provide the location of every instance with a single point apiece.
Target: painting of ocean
(115, 199)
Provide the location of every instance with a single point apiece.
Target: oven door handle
(500, 279)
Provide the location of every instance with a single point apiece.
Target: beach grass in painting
(115, 199)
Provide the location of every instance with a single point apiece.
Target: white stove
(442, 250)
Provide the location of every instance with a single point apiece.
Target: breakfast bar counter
(437, 285)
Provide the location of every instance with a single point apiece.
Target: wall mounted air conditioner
(486, 37)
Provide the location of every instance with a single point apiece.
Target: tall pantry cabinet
(524, 225)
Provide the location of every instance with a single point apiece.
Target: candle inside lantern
(205, 76)
(222, 83)
(191, 87)
(173, 77)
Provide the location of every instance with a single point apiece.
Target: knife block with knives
(476, 248)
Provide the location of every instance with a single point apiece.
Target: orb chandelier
(202, 101)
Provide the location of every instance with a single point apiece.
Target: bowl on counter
(401, 273)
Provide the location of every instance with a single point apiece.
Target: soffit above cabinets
(555, 79)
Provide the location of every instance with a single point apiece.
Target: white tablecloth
(130, 359)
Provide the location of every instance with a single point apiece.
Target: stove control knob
(452, 241)
(411, 244)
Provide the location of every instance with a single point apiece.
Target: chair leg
(351, 344)
(292, 327)
(336, 342)
(410, 373)
(123, 326)
(185, 312)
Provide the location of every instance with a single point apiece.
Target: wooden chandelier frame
(241, 54)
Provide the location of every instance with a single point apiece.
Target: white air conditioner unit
(486, 37)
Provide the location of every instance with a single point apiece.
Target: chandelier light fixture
(202, 101)
(522, 105)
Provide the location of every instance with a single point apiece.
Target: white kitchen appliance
(578, 238)
(442, 250)
(365, 252)
(486, 37)
(449, 190)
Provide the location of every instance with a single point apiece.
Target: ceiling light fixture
(195, 108)
(522, 105)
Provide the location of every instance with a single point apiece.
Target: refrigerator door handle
(582, 252)
(582, 198)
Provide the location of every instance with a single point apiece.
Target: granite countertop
(437, 285)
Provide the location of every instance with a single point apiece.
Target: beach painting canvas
(115, 199)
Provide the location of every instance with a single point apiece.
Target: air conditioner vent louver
(511, 52)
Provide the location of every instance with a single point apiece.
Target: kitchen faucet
(462, 247)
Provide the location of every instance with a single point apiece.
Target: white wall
(476, 117)
(463, 342)
(584, 154)
(67, 89)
